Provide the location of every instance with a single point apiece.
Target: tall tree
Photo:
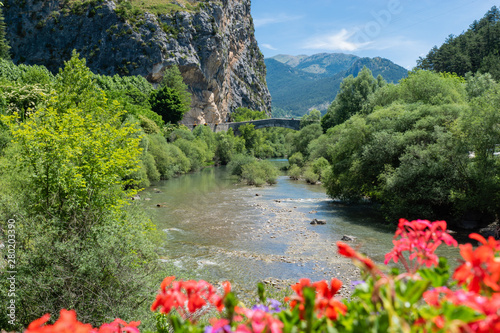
(4, 45)
(476, 50)
(352, 97)
(172, 100)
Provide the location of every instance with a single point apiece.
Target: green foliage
(475, 50)
(296, 159)
(259, 173)
(172, 78)
(312, 117)
(310, 176)
(245, 114)
(4, 45)
(167, 102)
(225, 147)
(295, 172)
(431, 88)
(78, 246)
(351, 99)
(320, 166)
(172, 100)
(251, 136)
(301, 139)
(419, 138)
(25, 74)
(133, 93)
(20, 98)
(237, 163)
(196, 151)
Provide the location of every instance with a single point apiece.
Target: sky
(399, 30)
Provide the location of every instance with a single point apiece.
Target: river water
(215, 228)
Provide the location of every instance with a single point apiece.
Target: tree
(173, 78)
(351, 99)
(172, 100)
(4, 45)
(64, 170)
(313, 116)
(168, 103)
(246, 114)
(475, 50)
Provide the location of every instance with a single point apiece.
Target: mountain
(212, 42)
(300, 83)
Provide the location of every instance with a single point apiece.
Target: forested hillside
(298, 84)
(475, 50)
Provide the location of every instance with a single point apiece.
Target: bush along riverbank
(422, 297)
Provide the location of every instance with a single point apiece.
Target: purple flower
(356, 283)
(260, 307)
(274, 306)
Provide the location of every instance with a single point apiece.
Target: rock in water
(316, 221)
(213, 44)
(347, 238)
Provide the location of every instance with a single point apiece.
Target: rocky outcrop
(212, 42)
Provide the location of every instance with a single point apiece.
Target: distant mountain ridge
(300, 83)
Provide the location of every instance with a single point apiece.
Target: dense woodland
(475, 50)
(75, 147)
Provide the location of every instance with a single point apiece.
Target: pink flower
(258, 321)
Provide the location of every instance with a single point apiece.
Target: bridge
(263, 123)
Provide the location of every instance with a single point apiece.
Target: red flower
(193, 294)
(480, 268)
(420, 238)
(349, 252)
(67, 323)
(325, 302)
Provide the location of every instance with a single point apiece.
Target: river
(215, 228)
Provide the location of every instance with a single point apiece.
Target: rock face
(213, 45)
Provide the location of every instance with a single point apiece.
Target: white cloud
(280, 18)
(269, 46)
(339, 41)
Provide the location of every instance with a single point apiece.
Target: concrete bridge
(263, 123)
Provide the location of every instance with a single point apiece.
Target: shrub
(296, 159)
(259, 173)
(236, 164)
(310, 176)
(295, 172)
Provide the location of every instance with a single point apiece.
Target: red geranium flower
(420, 238)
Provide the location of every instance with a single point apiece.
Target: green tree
(245, 114)
(352, 97)
(310, 118)
(172, 99)
(4, 45)
(168, 103)
(475, 50)
(173, 78)
(78, 244)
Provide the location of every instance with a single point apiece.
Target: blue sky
(399, 30)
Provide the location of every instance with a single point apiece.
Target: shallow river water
(217, 229)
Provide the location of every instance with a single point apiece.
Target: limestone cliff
(212, 42)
